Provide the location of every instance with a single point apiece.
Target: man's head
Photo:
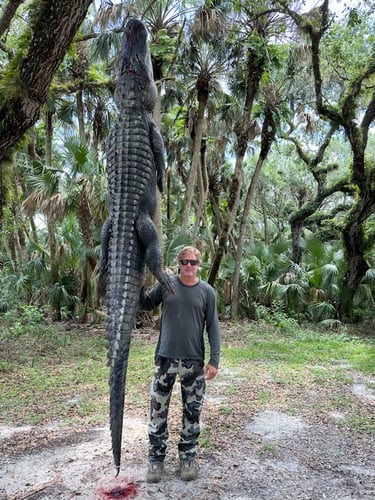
(189, 259)
(186, 252)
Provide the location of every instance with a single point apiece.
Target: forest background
(267, 112)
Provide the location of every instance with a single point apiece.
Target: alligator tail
(117, 400)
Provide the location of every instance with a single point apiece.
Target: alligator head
(135, 84)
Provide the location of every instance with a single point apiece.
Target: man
(180, 351)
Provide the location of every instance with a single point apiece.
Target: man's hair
(184, 251)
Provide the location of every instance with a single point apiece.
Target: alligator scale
(135, 166)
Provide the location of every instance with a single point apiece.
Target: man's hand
(210, 372)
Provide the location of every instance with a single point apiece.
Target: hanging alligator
(129, 239)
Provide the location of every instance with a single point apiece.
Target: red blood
(119, 492)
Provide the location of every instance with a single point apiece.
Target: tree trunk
(54, 264)
(255, 65)
(56, 22)
(233, 204)
(268, 135)
(8, 14)
(80, 117)
(265, 221)
(195, 163)
(203, 193)
(48, 126)
(356, 247)
(85, 222)
(2, 196)
(51, 223)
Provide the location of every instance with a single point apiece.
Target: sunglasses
(192, 262)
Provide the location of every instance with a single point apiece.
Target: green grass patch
(300, 372)
(361, 423)
(300, 349)
(52, 372)
(225, 410)
(49, 373)
(205, 439)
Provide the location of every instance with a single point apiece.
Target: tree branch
(8, 14)
(54, 28)
(81, 84)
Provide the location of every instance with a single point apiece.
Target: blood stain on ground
(119, 492)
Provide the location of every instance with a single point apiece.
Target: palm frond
(369, 277)
(173, 246)
(363, 296)
(319, 311)
(106, 46)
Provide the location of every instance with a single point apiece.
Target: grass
(48, 373)
(299, 349)
(51, 372)
(302, 371)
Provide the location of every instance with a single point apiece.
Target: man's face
(188, 269)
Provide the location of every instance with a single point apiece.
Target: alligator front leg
(157, 146)
(149, 239)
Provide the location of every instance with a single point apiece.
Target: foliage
(53, 188)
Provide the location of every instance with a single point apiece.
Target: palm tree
(325, 266)
(267, 137)
(48, 197)
(86, 185)
(206, 57)
(255, 63)
(207, 67)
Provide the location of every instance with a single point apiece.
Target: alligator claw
(165, 281)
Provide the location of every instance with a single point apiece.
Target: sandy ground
(268, 455)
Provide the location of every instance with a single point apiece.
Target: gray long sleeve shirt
(185, 315)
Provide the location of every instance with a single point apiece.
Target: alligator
(129, 238)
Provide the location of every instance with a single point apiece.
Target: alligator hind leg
(148, 236)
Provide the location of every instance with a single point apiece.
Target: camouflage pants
(191, 375)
